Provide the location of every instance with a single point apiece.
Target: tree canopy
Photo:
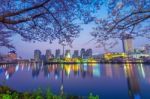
(45, 20)
(4, 39)
(124, 17)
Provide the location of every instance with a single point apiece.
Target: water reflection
(135, 76)
(80, 70)
(132, 81)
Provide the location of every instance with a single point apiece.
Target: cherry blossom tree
(45, 20)
(4, 40)
(125, 17)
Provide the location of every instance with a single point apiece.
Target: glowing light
(17, 68)
(85, 66)
(125, 71)
(67, 69)
(7, 75)
(61, 88)
(28, 68)
(76, 60)
(143, 72)
(92, 61)
(56, 77)
(96, 71)
(68, 55)
(109, 56)
(48, 75)
(22, 68)
(76, 67)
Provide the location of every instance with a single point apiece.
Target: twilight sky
(26, 49)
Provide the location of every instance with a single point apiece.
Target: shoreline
(100, 62)
(8, 93)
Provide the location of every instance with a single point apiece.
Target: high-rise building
(43, 58)
(37, 55)
(75, 54)
(88, 53)
(82, 53)
(12, 55)
(127, 43)
(48, 54)
(68, 54)
(57, 53)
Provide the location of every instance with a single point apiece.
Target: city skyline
(25, 49)
(82, 53)
(74, 49)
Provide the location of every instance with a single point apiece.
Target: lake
(109, 81)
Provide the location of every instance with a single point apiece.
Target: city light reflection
(59, 72)
(96, 70)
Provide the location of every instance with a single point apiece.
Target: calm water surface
(109, 81)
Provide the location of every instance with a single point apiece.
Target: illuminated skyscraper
(82, 53)
(68, 54)
(127, 43)
(48, 54)
(75, 54)
(132, 82)
(88, 53)
(57, 53)
(37, 55)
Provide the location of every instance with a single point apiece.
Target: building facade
(12, 55)
(37, 55)
(57, 53)
(82, 53)
(48, 54)
(88, 53)
(75, 54)
(127, 43)
(68, 54)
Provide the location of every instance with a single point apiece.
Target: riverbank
(7, 93)
(98, 62)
